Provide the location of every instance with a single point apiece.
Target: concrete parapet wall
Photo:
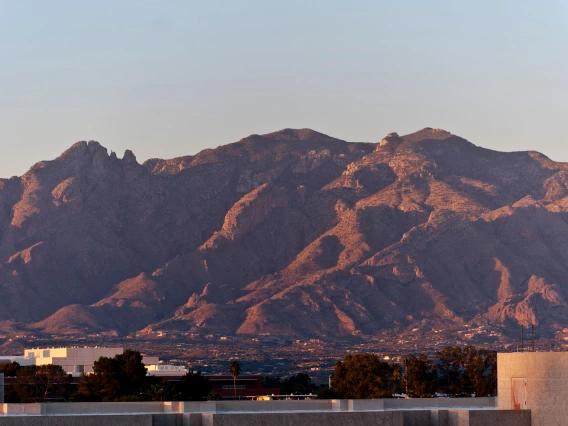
(441, 403)
(422, 404)
(439, 418)
(22, 409)
(340, 405)
(259, 406)
(329, 418)
(378, 418)
(55, 408)
(96, 420)
(192, 419)
(365, 404)
(488, 418)
(416, 418)
(60, 408)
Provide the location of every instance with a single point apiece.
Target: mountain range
(292, 233)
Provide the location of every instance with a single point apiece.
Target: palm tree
(235, 370)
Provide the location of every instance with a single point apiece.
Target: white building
(20, 359)
(73, 360)
(166, 370)
(77, 361)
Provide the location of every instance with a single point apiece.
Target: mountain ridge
(293, 233)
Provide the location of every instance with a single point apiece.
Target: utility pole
(532, 326)
(522, 338)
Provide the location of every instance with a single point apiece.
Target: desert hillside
(292, 233)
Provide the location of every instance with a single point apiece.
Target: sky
(170, 78)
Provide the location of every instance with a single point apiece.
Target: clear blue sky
(169, 78)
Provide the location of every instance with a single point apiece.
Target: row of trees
(121, 378)
(36, 382)
(453, 372)
(298, 384)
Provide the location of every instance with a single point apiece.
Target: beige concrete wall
(55, 408)
(488, 418)
(59, 408)
(329, 418)
(340, 405)
(439, 418)
(21, 409)
(546, 377)
(257, 406)
(78, 408)
(378, 418)
(416, 418)
(421, 404)
(99, 420)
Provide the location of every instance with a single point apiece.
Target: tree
(36, 382)
(325, 392)
(300, 383)
(162, 391)
(194, 387)
(235, 370)
(396, 378)
(361, 376)
(467, 371)
(420, 376)
(214, 396)
(10, 369)
(481, 369)
(271, 382)
(122, 377)
(451, 372)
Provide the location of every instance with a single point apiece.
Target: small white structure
(166, 370)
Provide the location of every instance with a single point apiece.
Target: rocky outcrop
(249, 180)
(314, 159)
(252, 209)
(390, 140)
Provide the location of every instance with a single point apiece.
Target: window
(79, 368)
(46, 353)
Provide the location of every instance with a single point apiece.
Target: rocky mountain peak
(390, 139)
(85, 151)
(428, 133)
(95, 147)
(129, 157)
(298, 135)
